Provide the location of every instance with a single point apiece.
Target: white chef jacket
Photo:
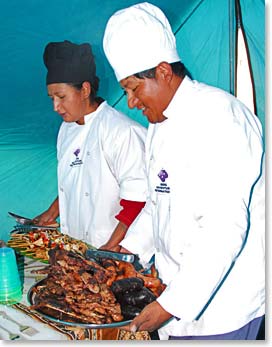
(202, 162)
(99, 163)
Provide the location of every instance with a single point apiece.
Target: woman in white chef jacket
(101, 175)
(204, 216)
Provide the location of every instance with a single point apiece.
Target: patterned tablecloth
(18, 322)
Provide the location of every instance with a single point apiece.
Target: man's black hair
(177, 67)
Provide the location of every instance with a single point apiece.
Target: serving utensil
(11, 335)
(21, 327)
(32, 223)
(95, 253)
(128, 257)
(20, 219)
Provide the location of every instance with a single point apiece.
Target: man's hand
(150, 319)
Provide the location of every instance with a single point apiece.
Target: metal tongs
(100, 254)
(95, 253)
(30, 224)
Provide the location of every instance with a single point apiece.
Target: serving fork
(11, 335)
(21, 327)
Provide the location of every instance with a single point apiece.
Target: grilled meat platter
(83, 291)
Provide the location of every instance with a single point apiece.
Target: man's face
(148, 95)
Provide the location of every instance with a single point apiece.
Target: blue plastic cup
(10, 284)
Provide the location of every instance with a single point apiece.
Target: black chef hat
(68, 62)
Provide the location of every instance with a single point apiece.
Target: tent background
(205, 32)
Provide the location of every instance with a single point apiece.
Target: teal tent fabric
(205, 33)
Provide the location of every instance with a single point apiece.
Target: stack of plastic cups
(10, 284)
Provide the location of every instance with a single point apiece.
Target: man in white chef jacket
(204, 218)
(101, 169)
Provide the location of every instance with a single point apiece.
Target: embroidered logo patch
(163, 175)
(77, 161)
(76, 152)
(162, 187)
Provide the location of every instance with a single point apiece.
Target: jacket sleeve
(130, 211)
(125, 153)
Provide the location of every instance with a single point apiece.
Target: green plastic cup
(10, 284)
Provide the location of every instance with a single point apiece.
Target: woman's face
(68, 102)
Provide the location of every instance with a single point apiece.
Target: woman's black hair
(94, 87)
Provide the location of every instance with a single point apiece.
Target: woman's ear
(164, 71)
(86, 89)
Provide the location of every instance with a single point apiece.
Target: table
(37, 330)
(36, 327)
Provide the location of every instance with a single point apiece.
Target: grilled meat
(76, 288)
(86, 291)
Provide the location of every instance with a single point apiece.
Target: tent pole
(244, 82)
(232, 50)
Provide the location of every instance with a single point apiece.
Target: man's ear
(86, 89)
(164, 71)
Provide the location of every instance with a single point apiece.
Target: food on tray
(85, 291)
(125, 285)
(132, 295)
(37, 243)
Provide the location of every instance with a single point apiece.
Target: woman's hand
(45, 218)
(116, 237)
(108, 247)
(49, 216)
(151, 318)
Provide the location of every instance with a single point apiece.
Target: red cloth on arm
(130, 211)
